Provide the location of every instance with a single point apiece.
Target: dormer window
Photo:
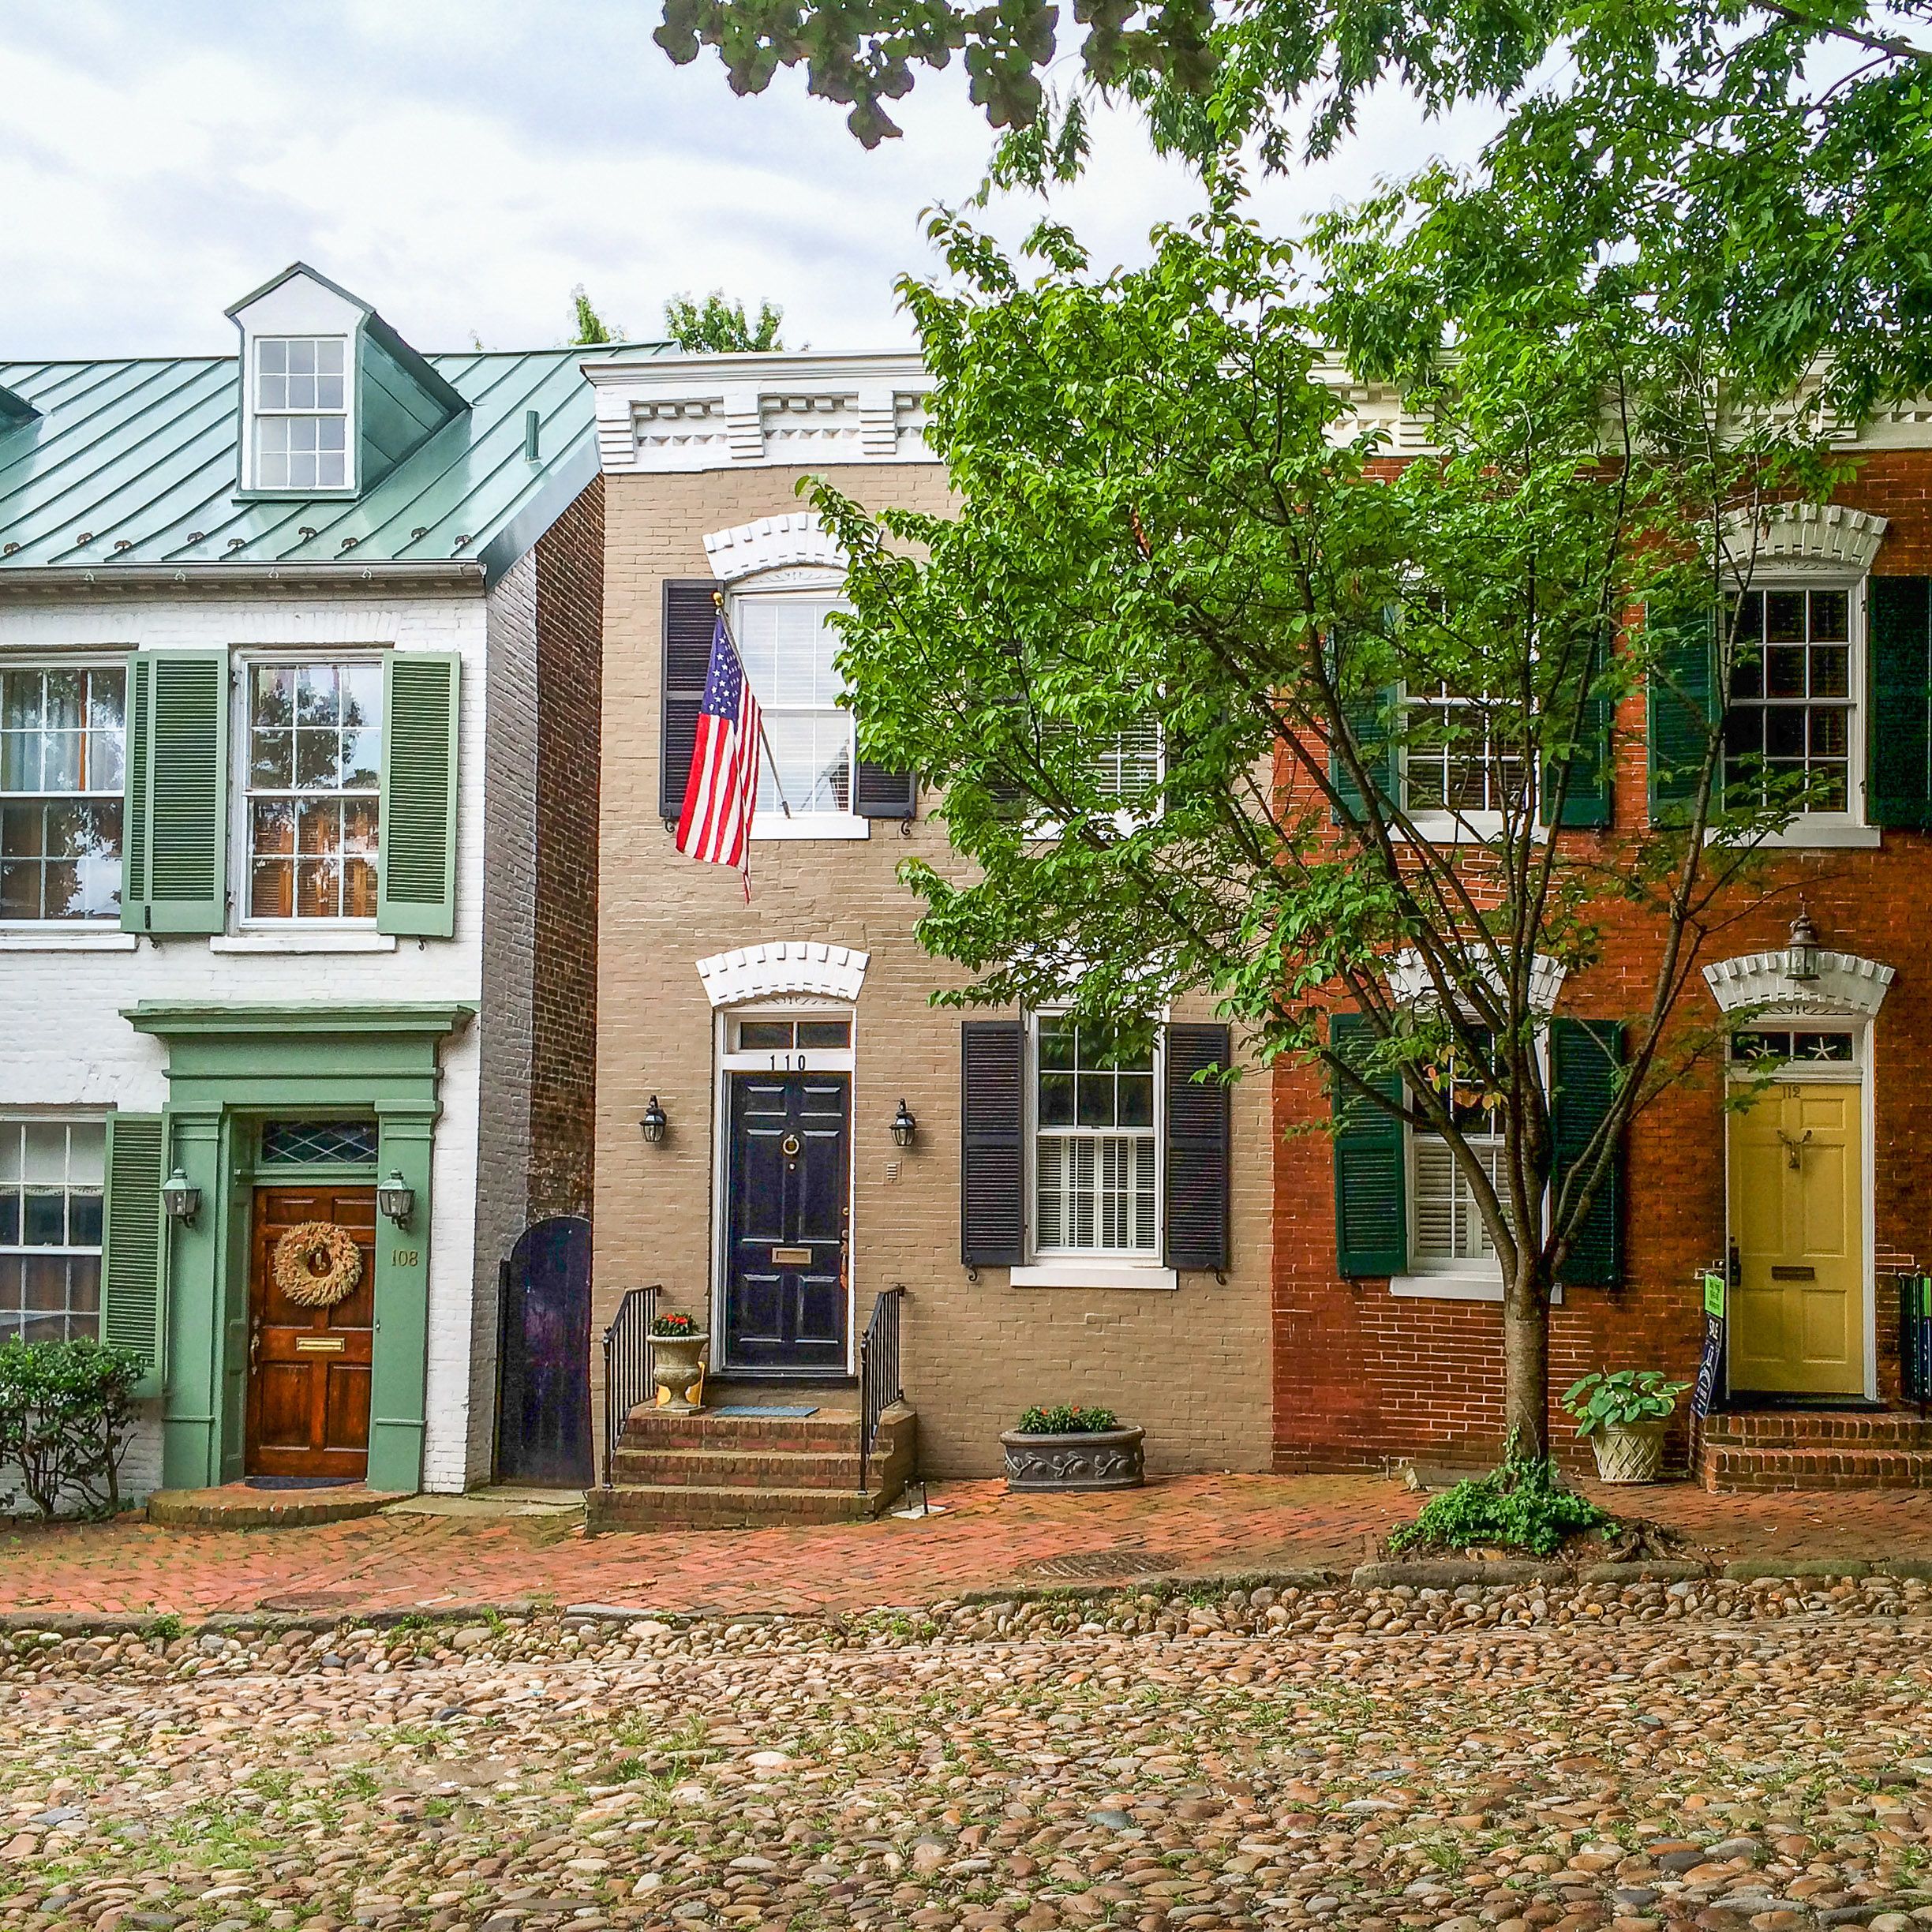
(301, 413)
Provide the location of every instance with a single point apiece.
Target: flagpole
(784, 804)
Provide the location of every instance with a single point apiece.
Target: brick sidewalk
(985, 1539)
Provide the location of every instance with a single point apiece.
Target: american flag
(722, 791)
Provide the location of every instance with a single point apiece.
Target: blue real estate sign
(1710, 1369)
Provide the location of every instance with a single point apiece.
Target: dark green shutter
(878, 792)
(175, 868)
(992, 1143)
(1371, 1176)
(1898, 765)
(134, 798)
(689, 618)
(1370, 723)
(1587, 802)
(416, 866)
(1584, 1058)
(1196, 1231)
(1683, 696)
(131, 1240)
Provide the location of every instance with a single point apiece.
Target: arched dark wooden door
(543, 1411)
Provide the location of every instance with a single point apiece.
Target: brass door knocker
(789, 1147)
(1794, 1150)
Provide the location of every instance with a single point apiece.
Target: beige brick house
(1119, 1258)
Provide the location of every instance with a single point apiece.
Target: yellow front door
(1797, 1220)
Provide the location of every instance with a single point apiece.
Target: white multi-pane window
(1095, 1153)
(314, 761)
(1452, 760)
(301, 413)
(788, 645)
(1127, 765)
(51, 1183)
(61, 749)
(1788, 734)
(1447, 1235)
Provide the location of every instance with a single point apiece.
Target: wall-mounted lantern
(1801, 956)
(905, 1126)
(654, 1123)
(181, 1198)
(396, 1199)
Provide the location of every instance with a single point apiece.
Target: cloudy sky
(462, 163)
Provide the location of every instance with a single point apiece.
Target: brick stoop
(1816, 1449)
(712, 1472)
(234, 1506)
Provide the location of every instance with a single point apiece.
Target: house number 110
(793, 1063)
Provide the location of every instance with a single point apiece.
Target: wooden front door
(308, 1368)
(784, 1298)
(1797, 1222)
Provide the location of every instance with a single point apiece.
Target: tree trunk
(1526, 1362)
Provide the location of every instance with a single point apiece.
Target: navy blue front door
(784, 1304)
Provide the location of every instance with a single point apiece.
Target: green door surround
(228, 1065)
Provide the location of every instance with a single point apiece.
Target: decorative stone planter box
(1093, 1459)
(1630, 1452)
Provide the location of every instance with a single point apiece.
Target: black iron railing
(626, 1366)
(1915, 1339)
(879, 1381)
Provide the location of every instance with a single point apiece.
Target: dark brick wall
(570, 629)
(1361, 1375)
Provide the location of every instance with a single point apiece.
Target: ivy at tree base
(1523, 1504)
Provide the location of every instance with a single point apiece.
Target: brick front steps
(1816, 1449)
(713, 1472)
(234, 1506)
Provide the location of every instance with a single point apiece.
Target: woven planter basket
(1633, 1453)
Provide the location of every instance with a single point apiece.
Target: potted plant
(677, 1348)
(1067, 1448)
(1623, 1412)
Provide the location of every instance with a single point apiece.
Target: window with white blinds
(1449, 1231)
(1095, 1153)
(1126, 766)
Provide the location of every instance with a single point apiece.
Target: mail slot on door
(794, 1257)
(319, 1345)
(1794, 1273)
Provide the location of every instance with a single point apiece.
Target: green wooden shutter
(131, 1242)
(1587, 803)
(1371, 1178)
(1898, 765)
(1196, 1223)
(1369, 721)
(177, 780)
(134, 798)
(1683, 694)
(416, 867)
(1584, 1058)
(992, 1143)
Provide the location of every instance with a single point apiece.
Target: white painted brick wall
(63, 1042)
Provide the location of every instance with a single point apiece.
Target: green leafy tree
(717, 327)
(591, 329)
(1174, 526)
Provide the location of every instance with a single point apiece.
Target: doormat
(1102, 1563)
(300, 1482)
(764, 1408)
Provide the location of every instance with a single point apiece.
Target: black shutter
(690, 617)
(1584, 1058)
(1898, 695)
(1370, 1169)
(881, 792)
(1197, 1147)
(1682, 702)
(992, 1143)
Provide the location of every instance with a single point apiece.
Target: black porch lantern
(654, 1123)
(1801, 956)
(904, 1126)
(181, 1197)
(396, 1199)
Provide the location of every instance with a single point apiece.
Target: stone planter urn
(1092, 1459)
(677, 1367)
(1629, 1452)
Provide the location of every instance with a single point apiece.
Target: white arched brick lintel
(797, 540)
(783, 966)
(1804, 537)
(1846, 986)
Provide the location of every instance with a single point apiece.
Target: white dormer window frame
(300, 419)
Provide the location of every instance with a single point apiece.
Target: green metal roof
(132, 466)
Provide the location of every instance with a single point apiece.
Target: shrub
(1064, 1420)
(674, 1324)
(1521, 1505)
(66, 1410)
(1617, 1398)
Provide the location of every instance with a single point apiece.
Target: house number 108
(405, 1257)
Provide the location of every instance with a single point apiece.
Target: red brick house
(1386, 1314)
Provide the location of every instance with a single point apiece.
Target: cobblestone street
(1726, 1756)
